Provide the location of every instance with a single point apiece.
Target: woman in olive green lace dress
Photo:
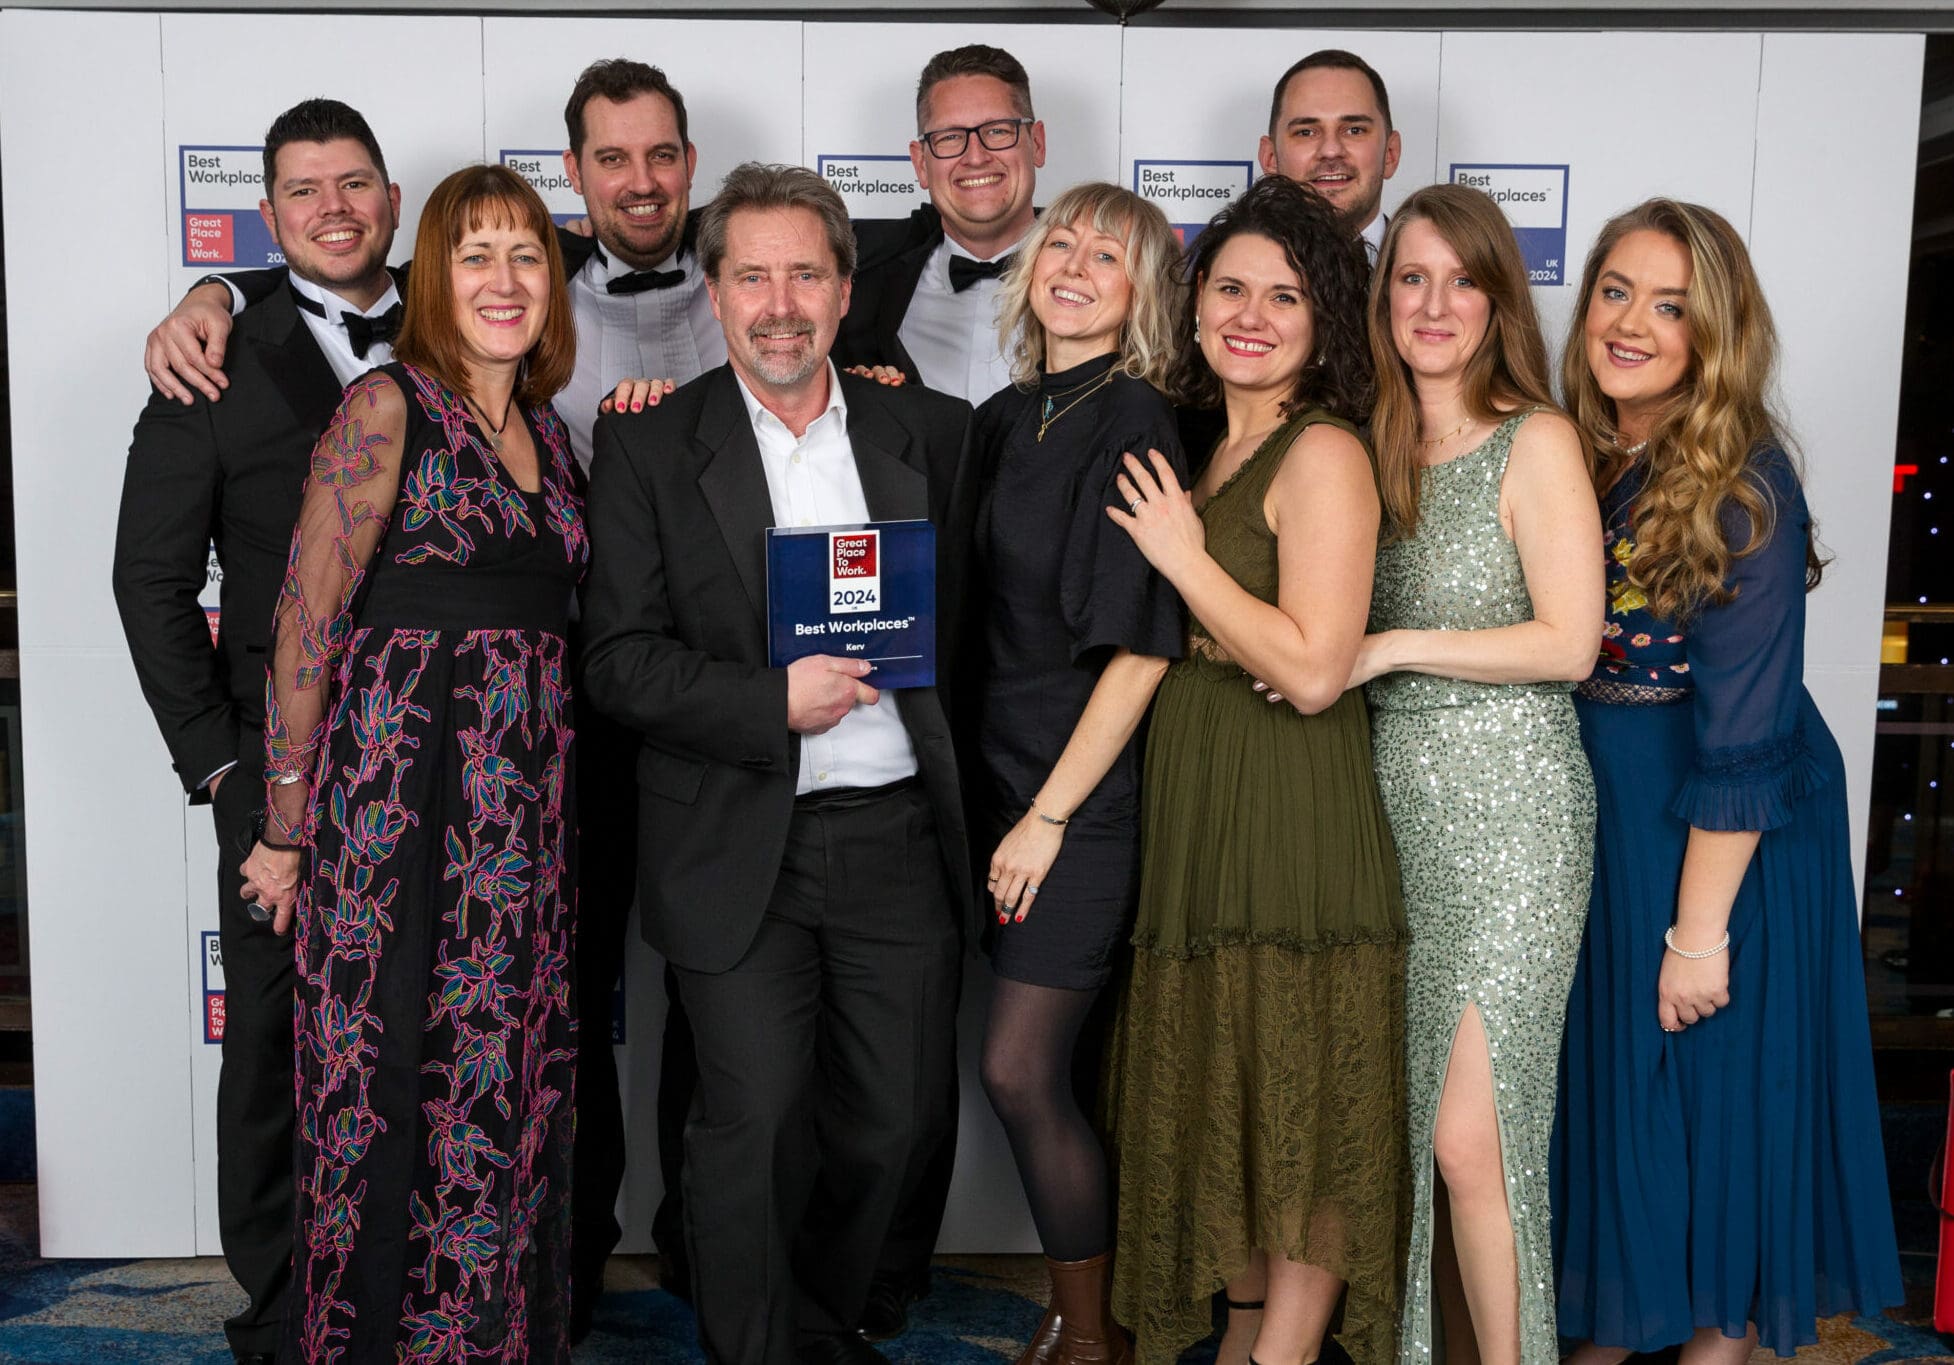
(1487, 607)
(1256, 1079)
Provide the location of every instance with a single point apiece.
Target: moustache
(776, 329)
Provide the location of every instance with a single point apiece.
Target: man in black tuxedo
(926, 287)
(811, 883)
(232, 474)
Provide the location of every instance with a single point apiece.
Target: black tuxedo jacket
(675, 629)
(232, 472)
(889, 257)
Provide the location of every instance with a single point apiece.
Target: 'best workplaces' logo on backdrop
(1535, 201)
(221, 224)
(546, 175)
(854, 571)
(1191, 192)
(872, 186)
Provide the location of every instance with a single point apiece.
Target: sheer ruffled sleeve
(1110, 596)
(348, 498)
(1747, 660)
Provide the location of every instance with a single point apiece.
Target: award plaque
(866, 591)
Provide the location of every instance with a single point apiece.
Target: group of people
(1415, 767)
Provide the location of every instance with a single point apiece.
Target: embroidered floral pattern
(435, 1026)
(1635, 647)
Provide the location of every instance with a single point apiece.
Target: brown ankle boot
(1082, 1304)
(1043, 1345)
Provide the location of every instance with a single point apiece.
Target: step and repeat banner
(1563, 129)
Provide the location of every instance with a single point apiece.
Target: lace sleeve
(1747, 659)
(355, 478)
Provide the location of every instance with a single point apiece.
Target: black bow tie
(965, 272)
(640, 280)
(361, 331)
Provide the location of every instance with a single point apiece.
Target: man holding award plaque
(807, 868)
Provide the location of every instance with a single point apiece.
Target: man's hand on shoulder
(185, 351)
(822, 688)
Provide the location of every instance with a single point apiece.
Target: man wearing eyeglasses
(926, 288)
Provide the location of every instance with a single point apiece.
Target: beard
(785, 369)
(625, 240)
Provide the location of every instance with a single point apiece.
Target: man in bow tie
(230, 474)
(926, 288)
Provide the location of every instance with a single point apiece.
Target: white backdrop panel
(859, 101)
(531, 65)
(1834, 267)
(112, 1092)
(1196, 95)
(1542, 99)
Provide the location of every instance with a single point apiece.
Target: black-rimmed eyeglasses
(999, 135)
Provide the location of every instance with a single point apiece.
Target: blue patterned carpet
(167, 1312)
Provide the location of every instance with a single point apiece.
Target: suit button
(820, 777)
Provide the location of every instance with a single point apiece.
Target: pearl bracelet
(1669, 941)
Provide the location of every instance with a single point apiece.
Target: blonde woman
(1487, 609)
(1718, 1179)
(1078, 631)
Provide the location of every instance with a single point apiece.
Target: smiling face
(1439, 315)
(1257, 327)
(501, 279)
(635, 176)
(1331, 136)
(333, 215)
(984, 196)
(780, 296)
(1080, 293)
(1637, 327)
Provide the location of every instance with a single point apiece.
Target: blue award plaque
(866, 591)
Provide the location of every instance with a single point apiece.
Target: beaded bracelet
(1669, 941)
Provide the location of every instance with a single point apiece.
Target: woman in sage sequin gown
(1255, 1086)
(1722, 960)
(1486, 609)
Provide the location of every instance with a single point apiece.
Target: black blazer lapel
(296, 366)
(734, 484)
(894, 489)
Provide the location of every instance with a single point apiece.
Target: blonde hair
(1153, 255)
(1507, 372)
(1700, 449)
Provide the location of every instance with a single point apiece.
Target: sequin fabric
(1492, 807)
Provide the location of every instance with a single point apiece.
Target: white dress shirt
(953, 337)
(812, 481)
(1373, 234)
(657, 334)
(330, 331)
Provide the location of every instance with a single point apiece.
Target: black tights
(1028, 1074)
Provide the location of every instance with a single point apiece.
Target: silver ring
(1133, 508)
(1030, 888)
(260, 912)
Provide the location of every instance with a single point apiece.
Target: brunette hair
(1506, 373)
(1331, 59)
(758, 185)
(475, 197)
(318, 120)
(1337, 376)
(974, 59)
(619, 79)
(1147, 337)
(1702, 448)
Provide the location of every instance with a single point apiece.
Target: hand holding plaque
(864, 591)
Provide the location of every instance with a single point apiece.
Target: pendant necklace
(1047, 416)
(494, 432)
(1441, 440)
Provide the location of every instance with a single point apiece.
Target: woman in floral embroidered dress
(417, 752)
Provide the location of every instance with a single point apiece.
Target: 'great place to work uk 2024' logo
(1534, 199)
(221, 187)
(854, 571)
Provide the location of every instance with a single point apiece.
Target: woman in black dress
(1078, 632)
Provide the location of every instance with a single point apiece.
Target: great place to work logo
(221, 224)
(1191, 192)
(213, 955)
(872, 186)
(1535, 201)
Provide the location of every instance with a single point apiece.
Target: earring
(1197, 329)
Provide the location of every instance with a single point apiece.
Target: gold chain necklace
(1047, 416)
(1441, 440)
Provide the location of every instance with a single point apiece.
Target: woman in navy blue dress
(1718, 1180)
